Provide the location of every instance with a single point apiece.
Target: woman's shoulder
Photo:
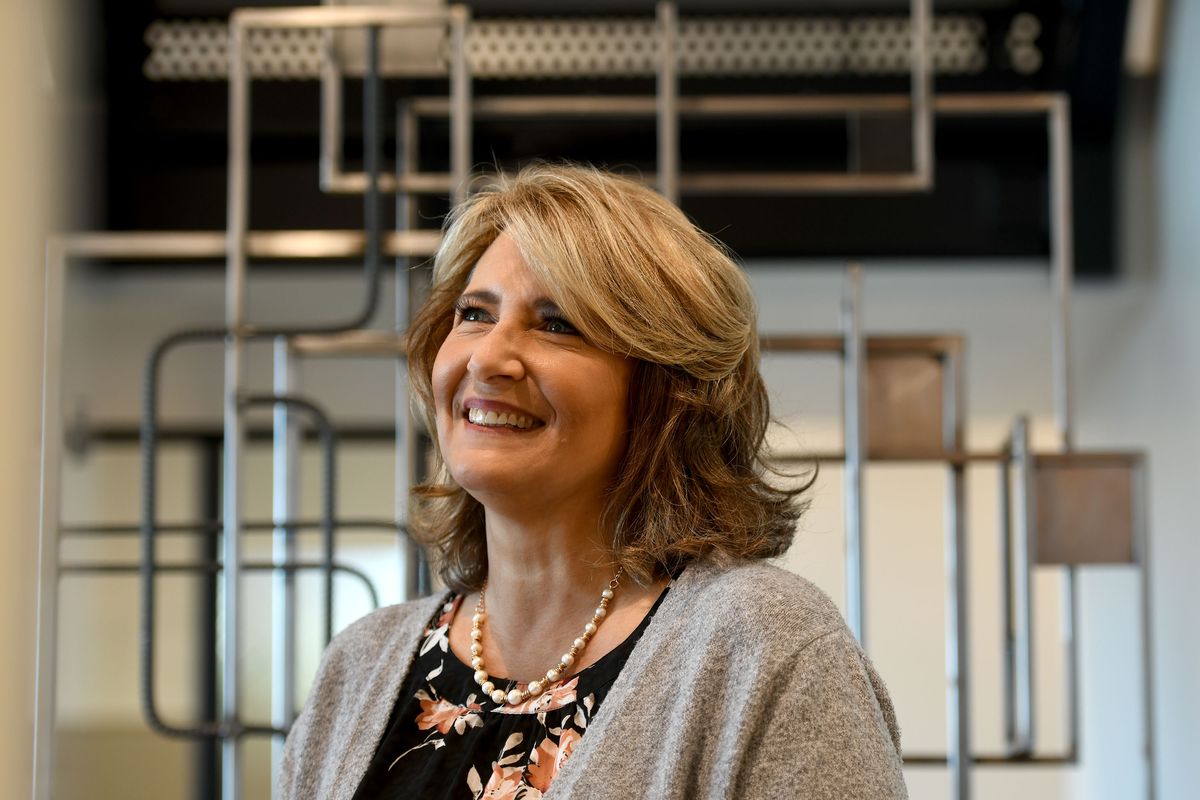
(758, 597)
(384, 628)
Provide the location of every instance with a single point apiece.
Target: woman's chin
(493, 486)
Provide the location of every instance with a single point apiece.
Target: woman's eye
(472, 314)
(559, 325)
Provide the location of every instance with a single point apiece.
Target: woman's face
(527, 410)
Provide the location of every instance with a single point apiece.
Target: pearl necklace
(535, 688)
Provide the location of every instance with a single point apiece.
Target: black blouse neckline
(610, 662)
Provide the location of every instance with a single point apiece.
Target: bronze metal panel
(1084, 509)
(905, 394)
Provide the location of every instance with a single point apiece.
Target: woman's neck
(544, 582)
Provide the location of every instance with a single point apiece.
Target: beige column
(25, 183)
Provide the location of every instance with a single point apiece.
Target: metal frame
(855, 443)
(285, 477)
(1018, 594)
(141, 246)
(667, 107)
(333, 178)
(215, 567)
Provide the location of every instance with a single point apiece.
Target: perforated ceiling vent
(579, 48)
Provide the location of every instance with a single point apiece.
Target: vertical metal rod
(1007, 611)
(48, 524)
(235, 284)
(855, 435)
(285, 456)
(667, 101)
(208, 773)
(1062, 262)
(920, 12)
(1071, 656)
(1141, 546)
(372, 161)
(1062, 258)
(958, 698)
(331, 111)
(460, 104)
(1019, 612)
(406, 431)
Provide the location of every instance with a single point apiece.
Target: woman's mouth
(492, 419)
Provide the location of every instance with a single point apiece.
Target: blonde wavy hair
(636, 278)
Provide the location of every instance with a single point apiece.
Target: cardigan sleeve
(312, 748)
(829, 733)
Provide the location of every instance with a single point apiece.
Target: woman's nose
(497, 356)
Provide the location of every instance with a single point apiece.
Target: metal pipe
(235, 289)
(289, 527)
(335, 17)
(1070, 613)
(208, 765)
(1141, 545)
(149, 453)
(958, 689)
(331, 175)
(203, 245)
(329, 165)
(666, 97)
(460, 104)
(1018, 558)
(920, 12)
(994, 760)
(212, 567)
(771, 106)
(1062, 263)
(855, 436)
(958, 651)
(328, 484)
(285, 453)
(372, 160)
(406, 452)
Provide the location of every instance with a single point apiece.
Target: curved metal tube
(328, 483)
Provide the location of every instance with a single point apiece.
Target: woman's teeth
(493, 420)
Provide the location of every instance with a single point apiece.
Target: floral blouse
(446, 739)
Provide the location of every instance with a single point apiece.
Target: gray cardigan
(746, 684)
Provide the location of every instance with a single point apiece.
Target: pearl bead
(567, 659)
(607, 594)
(590, 628)
(488, 688)
(477, 662)
(476, 649)
(476, 634)
(478, 619)
(498, 696)
(552, 675)
(535, 688)
(480, 677)
(580, 643)
(601, 611)
(514, 697)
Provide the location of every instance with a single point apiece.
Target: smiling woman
(588, 360)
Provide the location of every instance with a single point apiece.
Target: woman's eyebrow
(481, 296)
(547, 307)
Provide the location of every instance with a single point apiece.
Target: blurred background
(971, 227)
